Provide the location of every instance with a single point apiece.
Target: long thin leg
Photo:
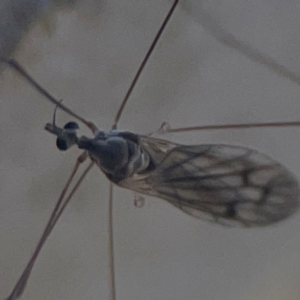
(114, 126)
(143, 64)
(112, 278)
(56, 213)
(17, 67)
(234, 126)
(231, 41)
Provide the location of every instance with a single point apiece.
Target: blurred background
(86, 53)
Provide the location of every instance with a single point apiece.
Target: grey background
(87, 54)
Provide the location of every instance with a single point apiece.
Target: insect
(289, 183)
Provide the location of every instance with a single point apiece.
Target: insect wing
(227, 184)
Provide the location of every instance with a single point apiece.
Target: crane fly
(226, 184)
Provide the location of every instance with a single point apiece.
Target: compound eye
(67, 137)
(62, 144)
(71, 125)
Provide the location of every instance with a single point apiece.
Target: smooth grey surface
(88, 57)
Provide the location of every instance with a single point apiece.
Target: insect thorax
(118, 154)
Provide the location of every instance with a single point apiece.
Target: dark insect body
(230, 185)
(227, 184)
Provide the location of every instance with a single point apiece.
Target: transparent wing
(226, 184)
